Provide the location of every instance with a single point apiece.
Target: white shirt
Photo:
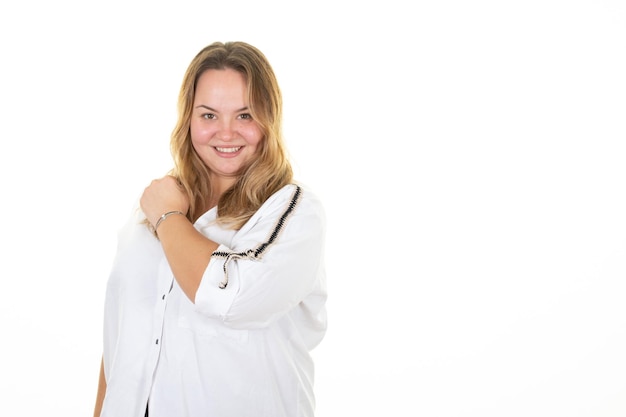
(238, 351)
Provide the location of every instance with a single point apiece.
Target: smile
(228, 150)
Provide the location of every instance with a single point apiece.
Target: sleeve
(275, 262)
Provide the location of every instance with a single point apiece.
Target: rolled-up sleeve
(262, 289)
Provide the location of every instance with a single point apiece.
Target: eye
(245, 116)
(208, 116)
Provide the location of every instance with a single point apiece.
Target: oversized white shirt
(242, 350)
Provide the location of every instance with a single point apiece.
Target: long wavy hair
(269, 171)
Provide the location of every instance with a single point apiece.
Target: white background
(470, 155)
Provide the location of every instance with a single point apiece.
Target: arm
(102, 387)
(187, 251)
(289, 270)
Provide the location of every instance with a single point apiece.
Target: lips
(228, 150)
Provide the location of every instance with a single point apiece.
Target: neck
(218, 186)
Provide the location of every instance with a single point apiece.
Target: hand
(161, 196)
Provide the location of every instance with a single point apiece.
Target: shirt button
(157, 341)
(163, 298)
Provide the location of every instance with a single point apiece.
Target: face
(223, 132)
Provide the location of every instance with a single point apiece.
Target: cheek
(199, 134)
(253, 135)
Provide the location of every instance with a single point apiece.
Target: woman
(217, 293)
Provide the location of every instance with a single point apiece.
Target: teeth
(228, 150)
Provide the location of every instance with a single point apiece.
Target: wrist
(165, 216)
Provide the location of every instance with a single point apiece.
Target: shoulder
(294, 209)
(291, 201)
(298, 196)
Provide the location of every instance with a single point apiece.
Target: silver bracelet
(165, 216)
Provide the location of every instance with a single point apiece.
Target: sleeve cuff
(211, 300)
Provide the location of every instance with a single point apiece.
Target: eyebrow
(213, 110)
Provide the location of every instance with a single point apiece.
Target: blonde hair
(269, 171)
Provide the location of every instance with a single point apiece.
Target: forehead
(222, 83)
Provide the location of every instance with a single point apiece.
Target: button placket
(165, 284)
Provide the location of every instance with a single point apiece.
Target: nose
(226, 130)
